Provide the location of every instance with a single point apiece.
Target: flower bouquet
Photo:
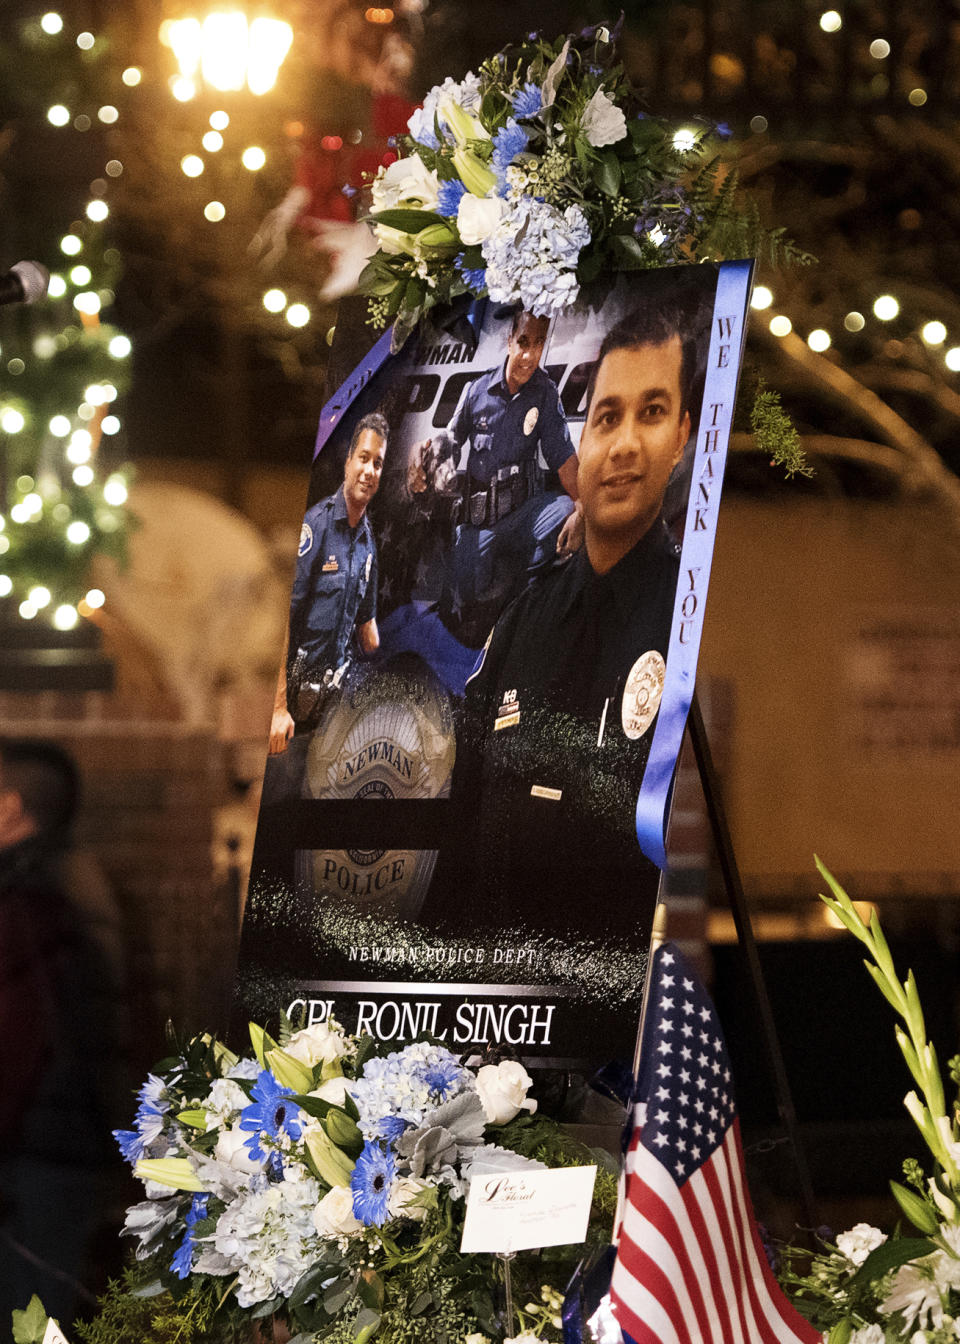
(538, 175)
(866, 1287)
(320, 1185)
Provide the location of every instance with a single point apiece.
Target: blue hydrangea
(527, 102)
(508, 142)
(370, 1182)
(449, 196)
(474, 277)
(398, 1086)
(532, 256)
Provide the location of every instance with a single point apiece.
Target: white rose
(477, 217)
(231, 1149)
(225, 1098)
(333, 1090)
(407, 183)
(857, 1244)
(333, 1216)
(502, 1089)
(403, 1190)
(316, 1044)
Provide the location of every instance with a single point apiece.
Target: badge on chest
(330, 565)
(508, 715)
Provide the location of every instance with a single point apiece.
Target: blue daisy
(182, 1261)
(372, 1178)
(269, 1114)
(449, 196)
(527, 102)
(390, 1127)
(130, 1142)
(443, 1077)
(508, 142)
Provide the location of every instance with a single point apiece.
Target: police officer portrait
(507, 457)
(560, 714)
(333, 606)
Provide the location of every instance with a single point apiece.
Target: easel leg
(748, 948)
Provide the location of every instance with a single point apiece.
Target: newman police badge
(530, 420)
(306, 539)
(641, 695)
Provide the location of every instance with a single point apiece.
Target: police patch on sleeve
(530, 420)
(641, 695)
(306, 539)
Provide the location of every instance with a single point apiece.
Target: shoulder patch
(306, 539)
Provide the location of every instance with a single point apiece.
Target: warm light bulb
(58, 115)
(762, 298)
(270, 41)
(110, 424)
(71, 244)
(65, 617)
(854, 321)
(830, 21)
(98, 211)
(60, 426)
(781, 325)
(87, 302)
(108, 114)
(298, 314)
(952, 359)
(95, 598)
(11, 421)
(192, 165)
(120, 347)
(115, 491)
(212, 142)
(219, 120)
(253, 158)
(80, 275)
(83, 476)
(78, 532)
(85, 41)
(57, 287)
(214, 211)
(132, 76)
(879, 48)
(183, 89)
(40, 596)
(819, 340)
(51, 23)
(886, 308)
(274, 300)
(27, 610)
(684, 141)
(6, 585)
(934, 333)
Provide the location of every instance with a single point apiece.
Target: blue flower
(182, 1261)
(130, 1143)
(269, 1114)
(474, 277)
(371, 1181)
(449, 196)
(442, 1077)
(390, 1127)
(527, 101)
(723, 130)
(508, 142)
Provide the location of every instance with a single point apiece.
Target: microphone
(24, 283)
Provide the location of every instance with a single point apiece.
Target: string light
(87, 302)
(83, 476)
(952, 359)
(183, 89)
(44, 346)
(115, 491)
(132, 76)
(684, 141)
(78, 532)
(934, 333)
(57, 287)
(60, 426)
(831, 21)
(114, 168)
(781, 325)
(58, 115)
(762, 298)
(51, 23)
(108, 114)
(854, 321)
(917, 97)
(274, 300)
(879, 48)
(6, 585)
(886, 307)
(298, 314)
(253, 158)
(39, 596)
(71, 244)
(819, 340)
(85, 41)
(212, 141)
(98, 211)
(219, 120)
(65, 617)
(11, 421)
(80, 275)
(27, 610)
(214, 211)
(95, 598)
(110, 424)
(192, 165)
(119, 346)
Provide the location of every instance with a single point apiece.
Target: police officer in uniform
(511, 522)
(334, 591)
(559, 715)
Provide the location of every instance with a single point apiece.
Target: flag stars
(663, 1094)
(667, 958)
(661, 1117)
(702, 1060)
(683, 1099)
(687, 1007)
(698, 1129)
(681, 1145)
(666, 1004)
(668, 981)
(687, 1030)
(681, 1122)
(704, 1015)
(686, 1052)
(684, 1075)
(663, 1071)
(688, 985)
(665, 1048)
(695, 1153)
(661, 1140)
(699, 1106)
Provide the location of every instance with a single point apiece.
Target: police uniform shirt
(504, 429)
(545, 764)
(335, 585)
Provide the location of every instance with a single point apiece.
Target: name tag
(541, 791)
(330, 566)
(506, 720)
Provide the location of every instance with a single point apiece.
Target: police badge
(641, 695)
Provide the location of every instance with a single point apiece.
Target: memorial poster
(485, 684)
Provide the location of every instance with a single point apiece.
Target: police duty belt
(309, 692)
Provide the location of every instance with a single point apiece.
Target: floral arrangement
(321, 1185)
(533, 177)
(867, 1287)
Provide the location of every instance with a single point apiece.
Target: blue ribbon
(723, 364)
(585, 1291)
(348, 391)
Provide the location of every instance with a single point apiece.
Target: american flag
(690, 1268)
